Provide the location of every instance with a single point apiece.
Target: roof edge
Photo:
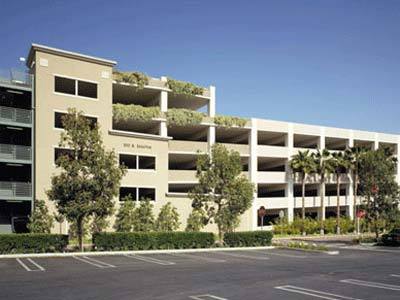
(65, 53)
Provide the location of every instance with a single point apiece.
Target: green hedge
(107, 241)
(32, 243)
(248, 238)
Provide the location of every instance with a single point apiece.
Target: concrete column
(211, 137)
(322, 190)
(350, 187)
(253, 142)
(376, 142)
(211, 104)
(164, 108)
(289, 176)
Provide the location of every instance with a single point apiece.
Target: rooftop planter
(124, 112)
(137, 78)
(184, 117)
(184, 88)
(229, 121)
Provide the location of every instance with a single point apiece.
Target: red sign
(360, 214)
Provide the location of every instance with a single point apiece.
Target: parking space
(226, 275)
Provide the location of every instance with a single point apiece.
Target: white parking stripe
(26, 267)
(313, 293)
(36, 264)
(378, 285)
(23, 265)
(88, 262)
(244, 256)
(394, 275)
(198, 257)
(206, 297)
(281, 254)
(99, 262)
(150, 259)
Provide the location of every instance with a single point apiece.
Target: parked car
(392, 238)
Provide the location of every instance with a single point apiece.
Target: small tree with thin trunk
(125, 215)
(168, 218)
(340, 165)
(196, 220)
(354, 156)
(302, 163)
(89, 176)
(323, 168)
(379, 187)
(40, 221)
(223, 193)
(143, 217)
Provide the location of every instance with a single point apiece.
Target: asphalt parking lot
(231, 275)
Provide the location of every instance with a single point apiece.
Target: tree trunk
(322, 191)
(79, 226)
(303, 208)
(338, 203)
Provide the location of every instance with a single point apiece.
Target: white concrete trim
(111, 253)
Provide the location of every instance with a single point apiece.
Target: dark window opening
(147, 194)
(58, 152)
(127, 192)
(58, 120)
(87, 89)
(147, 162)
(64, 85)
(129, 161)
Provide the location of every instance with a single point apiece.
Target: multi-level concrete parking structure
(160, 156)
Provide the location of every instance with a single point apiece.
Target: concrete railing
(15, 152)
(16, 115)
(10, 189)
(188, 146)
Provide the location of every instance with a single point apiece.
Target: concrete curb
(328, 252)
(103, 253)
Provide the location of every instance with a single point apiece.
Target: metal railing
(10, 189)
(15, 152)
(17, 115)
(16, 77)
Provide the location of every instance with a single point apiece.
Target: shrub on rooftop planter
(229, 121)
(248, 238)
(114, 241)
(32, 243)
(184, 88)
(137, 78)
(183, 117)
(125, 112)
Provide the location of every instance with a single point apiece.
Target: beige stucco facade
(265, 146)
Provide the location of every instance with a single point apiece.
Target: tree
(378, 187)
(168, 218)
(323, 167)
(340, 165)
(143, 219)
(303, 164)
(125, 215)
(222, 194)
(40, 221)
(99, 223)
(89, 177)
(354, 156)
(196, 220)
(59, 219)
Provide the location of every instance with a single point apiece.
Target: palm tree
(323, 167)
(303, 164)
(353, 156)
(340, 165)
